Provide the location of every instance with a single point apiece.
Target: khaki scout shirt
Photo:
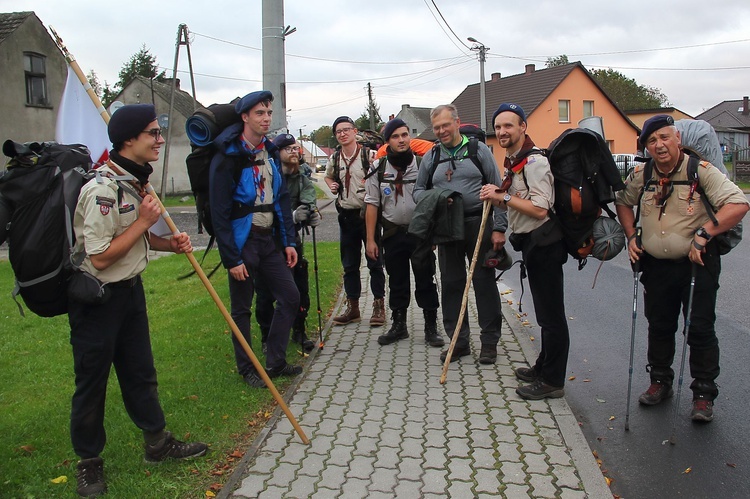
(541, 192)
(396, 210)
(98, 219)
(264, 219)
(353, 199)
(671, 235)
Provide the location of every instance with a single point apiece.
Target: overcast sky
(696, 52)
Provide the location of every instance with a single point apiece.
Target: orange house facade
(554, 99)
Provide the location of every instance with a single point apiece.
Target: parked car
(321, 165)
(625, 163)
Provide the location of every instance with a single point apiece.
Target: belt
(127, 283)
(265, 231)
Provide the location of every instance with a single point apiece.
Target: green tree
(627, 93)
(96, 86)
(142, 63)
(323, 136)
(560, 60)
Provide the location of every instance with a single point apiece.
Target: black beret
(653, 124)
(392, 126)
(283, 140)
(129, 121)
(251, 100)
(342, 119)
(513, 108)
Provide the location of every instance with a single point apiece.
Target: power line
(448, 25)
(443, 29)
(635, 51)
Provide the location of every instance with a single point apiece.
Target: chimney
(495, 76)
(404, 107)
(745, 109)
(530, 68)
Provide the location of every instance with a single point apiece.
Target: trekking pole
(198, 270)
(461, 314)
(685, 333)
(317, 289)
(636, 268)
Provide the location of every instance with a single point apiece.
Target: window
(414, 131)
(36, 79)
(588, 108)
(564, 111)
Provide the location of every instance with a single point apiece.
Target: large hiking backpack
(475, 136)
(586, 178)
(40, 190)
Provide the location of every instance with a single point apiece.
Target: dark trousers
(452, 260)
(544, 267)
(263, 260)
(400, 251)
(352, 237)
(666, 288)
(114, 333)
(264, 301)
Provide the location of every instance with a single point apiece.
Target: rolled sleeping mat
(207, 123)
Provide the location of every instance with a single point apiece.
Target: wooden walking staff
(198, 270)
(454, 338)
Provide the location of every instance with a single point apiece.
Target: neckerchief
(258, 178)
(347, 164)
(400, 161)
(518, 161)
(665, 185)
(140, 172)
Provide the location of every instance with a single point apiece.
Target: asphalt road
(707, 461)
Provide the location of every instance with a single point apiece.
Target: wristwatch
(507, 198)
(703, 233)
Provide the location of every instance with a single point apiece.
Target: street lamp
(479, 46)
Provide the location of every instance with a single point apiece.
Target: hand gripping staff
(454, 338)
(198, 270)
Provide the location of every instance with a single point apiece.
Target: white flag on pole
(79, 122)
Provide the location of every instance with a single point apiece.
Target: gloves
(314, 218)
(301, 214)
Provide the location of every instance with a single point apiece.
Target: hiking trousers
(452, 258)
(666, 289)
(401, 251)
(112, 334)
(263, 260)
(352, 238)
(544, 267)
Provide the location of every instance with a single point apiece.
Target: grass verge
(202, 396)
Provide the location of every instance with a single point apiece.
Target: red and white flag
(79, 122)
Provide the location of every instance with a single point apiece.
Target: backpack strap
(472, 152)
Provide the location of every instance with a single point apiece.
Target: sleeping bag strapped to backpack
(40, 190)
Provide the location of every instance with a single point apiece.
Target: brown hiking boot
(90, 477)
(378, 312)
(351, 314)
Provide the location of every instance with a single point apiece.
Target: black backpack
(475, 136)
(40, 191)
(586, 178)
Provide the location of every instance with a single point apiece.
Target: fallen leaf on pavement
(571, 378)
(587, 380)
(611, 418)
(601, 401)
(687, 470)
(731, 465)
(608, 480)
(60, 479)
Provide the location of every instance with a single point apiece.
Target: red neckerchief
(519, 161)
(260, 181)
(348, 163)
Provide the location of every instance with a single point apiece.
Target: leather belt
(265, 231)
(127, 283)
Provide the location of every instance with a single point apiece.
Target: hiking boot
(458, 352)
(285, 370)
(253, 379)
(90, 477)
(656, 393)
(171, 448)
(527, 374)
(351, 314)
(378, 313)
(398, 330)
(488, 355)
(431, 335)
(300, 336)
(539, 390)
(703, 410)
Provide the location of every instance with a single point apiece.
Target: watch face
(507, 197)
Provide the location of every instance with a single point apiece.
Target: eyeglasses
(154, 132)
(291, 149)
(342, 131)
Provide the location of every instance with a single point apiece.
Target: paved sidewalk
(380, 424)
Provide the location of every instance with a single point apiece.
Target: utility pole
(479, 46)
(274, 72)
(371, 107)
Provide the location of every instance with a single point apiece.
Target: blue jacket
(224, 192)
